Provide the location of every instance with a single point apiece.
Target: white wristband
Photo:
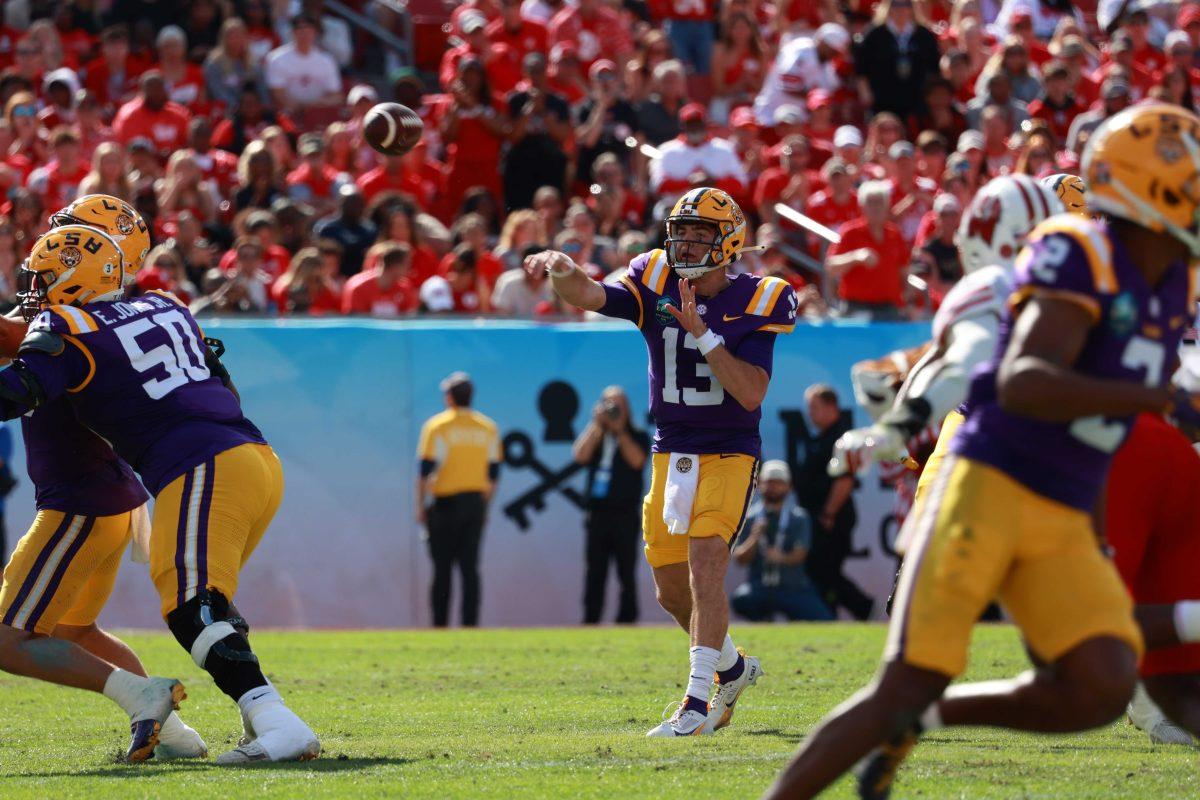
(709, 342)
(561, 273)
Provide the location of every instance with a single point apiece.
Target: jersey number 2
(714, 395)
(183, 360)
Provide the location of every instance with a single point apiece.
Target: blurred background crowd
(234, 126)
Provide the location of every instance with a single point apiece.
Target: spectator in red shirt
(596, 30)
(869, 261)
(789, 183)
(1120, 53)
(1136, 25)
(935, 249)
(955, 66)
(260, 226)
(314, 181)
(30, 63)
(1074, 55)
(471, 230)
(29, 141)
(59, 89)
(1181, 57)
(163, 271)
(247, 273)
(500, 62)
(836, 204)
(1059, 107)
(1021, 25)
(567, 77)
(523, 35)
(473, 131)
(911, 194)
(89, 122)
(152, 115)
(77, 43)
(932, 150)
(58, 182)
(184, 80)
(747, 143)
(942, 112)
(459, 290)
(113, 76)
(997, 154)
(389, 176)
(218, 166)
(384, 290)
(306, 287)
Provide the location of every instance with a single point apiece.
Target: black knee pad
(216, 639)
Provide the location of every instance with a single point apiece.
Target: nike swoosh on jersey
(727, 318)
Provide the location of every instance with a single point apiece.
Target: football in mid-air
(392, 129)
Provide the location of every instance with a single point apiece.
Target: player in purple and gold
(710, 337)
(1088, 341)
(139, 375)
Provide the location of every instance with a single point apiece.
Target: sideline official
(459, 453)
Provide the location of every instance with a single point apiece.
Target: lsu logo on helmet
(1143, 165)
(1071, 190)
(71, 265)
(116, 218)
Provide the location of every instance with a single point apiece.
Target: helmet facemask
(32, 291)
(676, 245)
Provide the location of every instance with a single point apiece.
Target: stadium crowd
(234, 127)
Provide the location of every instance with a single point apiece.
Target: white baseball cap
(833, 35)
(847, 136)
(361, 92)
(775, 470)
(436, 294)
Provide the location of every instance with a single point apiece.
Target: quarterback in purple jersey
(710, 337)
(139, 375)
(1087, 342)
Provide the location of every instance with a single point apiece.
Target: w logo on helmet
(984, 218)
(70, 257)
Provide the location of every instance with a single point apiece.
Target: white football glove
(858, 449)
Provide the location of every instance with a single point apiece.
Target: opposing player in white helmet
(990, 235)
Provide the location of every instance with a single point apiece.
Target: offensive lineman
(139, 375)
(710, 337)
(1083, 348)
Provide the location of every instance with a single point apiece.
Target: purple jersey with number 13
(135, 372)
(693, 412)
(1135, 333)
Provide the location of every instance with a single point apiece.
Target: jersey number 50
(183, 360)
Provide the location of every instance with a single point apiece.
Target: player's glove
(1184, 412)
(856, 450)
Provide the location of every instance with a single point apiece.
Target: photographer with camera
(615, 455)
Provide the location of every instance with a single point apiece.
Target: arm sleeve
(942, 381)
(622, 302)
(757, 349)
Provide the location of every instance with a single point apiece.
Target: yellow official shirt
(461, 444)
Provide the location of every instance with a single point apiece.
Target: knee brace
(209, 628)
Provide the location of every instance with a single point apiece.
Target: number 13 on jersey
(714, 395)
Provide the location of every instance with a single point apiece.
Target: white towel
(139, 545)
(682, 475)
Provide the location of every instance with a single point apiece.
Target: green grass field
(548, 714)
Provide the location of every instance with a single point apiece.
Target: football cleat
(280, 735)
(720, 708)
(877, 771)
(177, 739)
(160, 697)
(682, 721)
(1167, 732)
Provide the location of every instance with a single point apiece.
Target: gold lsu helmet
(72, 265)
(118, 219)
(712, 207)
(1143, 165)
(1071, 190)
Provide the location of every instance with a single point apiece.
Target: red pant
(1154, 525)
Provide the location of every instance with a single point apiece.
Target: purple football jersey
(73, 470)
(1136, 333)
(135, 373)
(693, 412)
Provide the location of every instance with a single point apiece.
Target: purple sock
(734, 672)
(692, 704)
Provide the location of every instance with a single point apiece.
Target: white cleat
(1167, 732)
(281, 736)
(177, 739)
(682, 722)
(720, 708)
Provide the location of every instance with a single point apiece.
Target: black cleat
(877, 770)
